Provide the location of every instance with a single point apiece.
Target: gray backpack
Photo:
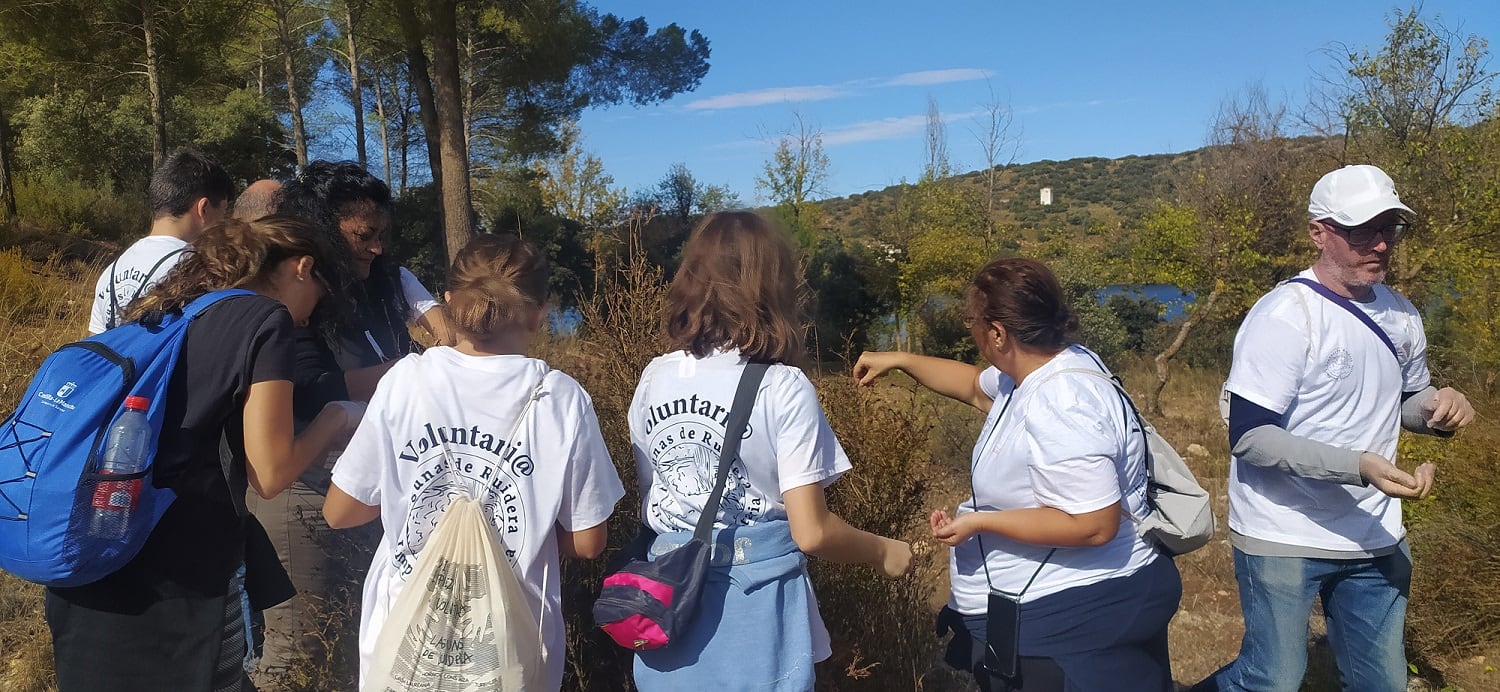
(1179, 519)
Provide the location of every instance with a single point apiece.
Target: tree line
(94, 93)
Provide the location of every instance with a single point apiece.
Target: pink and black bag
(648, 604)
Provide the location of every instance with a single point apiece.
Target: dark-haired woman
(1058, 472)
(173, 618)
(344, 353)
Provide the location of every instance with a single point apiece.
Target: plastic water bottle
(124, 454)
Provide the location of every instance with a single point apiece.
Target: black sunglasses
(1365, 234)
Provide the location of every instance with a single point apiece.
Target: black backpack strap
(1348, 306)
(734, 429)
(147, 281)
(114, 299)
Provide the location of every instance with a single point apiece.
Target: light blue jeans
(1364, 603)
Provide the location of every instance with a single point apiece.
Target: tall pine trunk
(7, 189)
(468, 90)
(356, 94)
(385, 142)
(153, 85)
(421, 82)
(294, 102)
(457, 222)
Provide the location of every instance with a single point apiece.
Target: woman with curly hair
(353, 344)
(173, 617)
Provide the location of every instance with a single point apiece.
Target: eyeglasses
(1365, 235)
(367, 236)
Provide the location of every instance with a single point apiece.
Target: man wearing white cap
(1328, 367)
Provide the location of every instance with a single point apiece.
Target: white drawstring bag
(463, 622)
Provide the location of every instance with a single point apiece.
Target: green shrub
(57, 204)
(75, 135)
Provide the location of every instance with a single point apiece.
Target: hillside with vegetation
(1089, 195)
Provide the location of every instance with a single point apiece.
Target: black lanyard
(974, 501)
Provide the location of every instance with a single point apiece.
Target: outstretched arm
(951, 378)
(823, 534)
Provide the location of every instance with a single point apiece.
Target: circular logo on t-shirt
(686, 458)
(475, 471)
(1339, 364)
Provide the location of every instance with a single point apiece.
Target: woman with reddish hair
(734, 300)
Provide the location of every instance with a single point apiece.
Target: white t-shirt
(418, 298)
(1064, 442)
(677, 422)
(132, 275)
(1334, 382)
(556, 473)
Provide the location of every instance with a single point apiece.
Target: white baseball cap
(1353, 195)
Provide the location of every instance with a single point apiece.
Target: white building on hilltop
(1046, 197)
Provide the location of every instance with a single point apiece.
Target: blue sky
(1082, 78)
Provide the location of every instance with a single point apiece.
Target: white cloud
(931, 77)
(875, 130)
(803, 94)
(885, 128)
(762, 97)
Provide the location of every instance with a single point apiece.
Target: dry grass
(42, 306)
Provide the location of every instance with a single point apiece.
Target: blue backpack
(51, 445)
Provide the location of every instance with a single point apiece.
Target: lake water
(1173, 299)
(564, 322)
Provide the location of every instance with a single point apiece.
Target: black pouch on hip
(1002, 645)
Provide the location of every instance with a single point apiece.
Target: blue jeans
(1364, 603)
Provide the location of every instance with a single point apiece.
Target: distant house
(1046, 197)
(892, 253)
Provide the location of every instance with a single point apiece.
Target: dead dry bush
(619, 334)
(880, 629)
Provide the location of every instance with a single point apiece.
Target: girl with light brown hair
(734, 300)
(173, 617)
(529, 442)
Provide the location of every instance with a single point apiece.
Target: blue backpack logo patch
(51, 445)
